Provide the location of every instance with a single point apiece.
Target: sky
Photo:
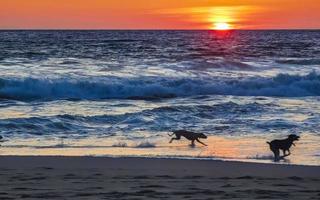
(159, 14)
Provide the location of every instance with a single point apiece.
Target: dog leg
(284, 153)
(173, 139)
(276, 153)
(201, 142)
(178, 137)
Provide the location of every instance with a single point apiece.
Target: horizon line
(72, 29)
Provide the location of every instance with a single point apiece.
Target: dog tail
(171, 134)
(268, 143)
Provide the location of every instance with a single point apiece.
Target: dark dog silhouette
(192, 136)
(284, 145)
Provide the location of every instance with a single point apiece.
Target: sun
(221, 26)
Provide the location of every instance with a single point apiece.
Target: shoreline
(248, 149)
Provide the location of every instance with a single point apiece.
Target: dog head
(293, 137)
(201, 135)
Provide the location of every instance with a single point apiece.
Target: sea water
(119, 93)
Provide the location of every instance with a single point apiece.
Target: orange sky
(159, 14)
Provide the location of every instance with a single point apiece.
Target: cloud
(234, 15)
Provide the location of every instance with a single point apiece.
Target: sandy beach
(45, 177)
(162, 99)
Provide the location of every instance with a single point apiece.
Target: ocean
(119, 93)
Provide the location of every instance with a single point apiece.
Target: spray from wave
(282, 85)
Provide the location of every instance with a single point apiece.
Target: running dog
(284, 145)
(192, 136)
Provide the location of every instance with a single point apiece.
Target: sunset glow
(221, 26)
(159, 14)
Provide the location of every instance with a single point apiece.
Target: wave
(146, 144)
(223, 64)
(311, 61)
(148, 121)
(150, 88)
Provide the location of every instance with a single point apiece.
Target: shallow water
(99, 88)
(245, 148)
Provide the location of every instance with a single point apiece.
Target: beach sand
(45, 177)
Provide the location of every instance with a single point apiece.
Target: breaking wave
(149, 88)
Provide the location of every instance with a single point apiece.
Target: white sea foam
(146, 144)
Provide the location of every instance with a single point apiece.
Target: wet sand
(235, 148)
(44, 177)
